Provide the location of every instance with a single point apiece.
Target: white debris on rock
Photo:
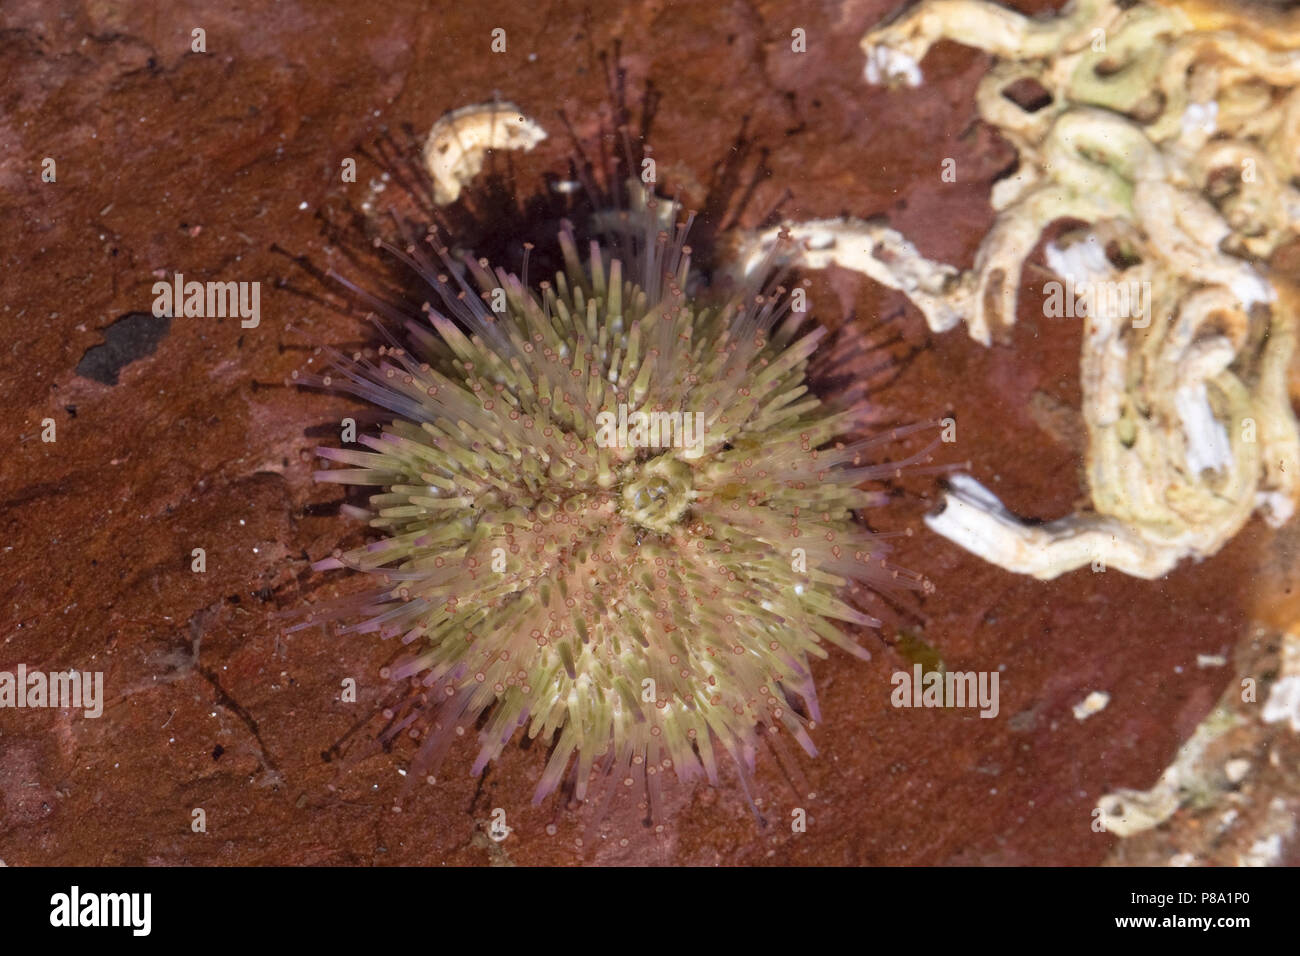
(1283, 704)
(1201, 118)
(1236, 770)
(1094, 703)
(1280, 828)
(458, 143)
(886, 65)
(1264, 852)
(1208, 446)
(1082, 261)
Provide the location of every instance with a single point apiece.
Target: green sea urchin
(612, 514)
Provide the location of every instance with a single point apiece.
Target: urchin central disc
(658, 493)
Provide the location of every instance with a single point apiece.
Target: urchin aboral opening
(645, 595)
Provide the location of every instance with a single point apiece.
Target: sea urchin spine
(642, 600)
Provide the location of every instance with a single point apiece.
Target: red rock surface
(204, 163)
